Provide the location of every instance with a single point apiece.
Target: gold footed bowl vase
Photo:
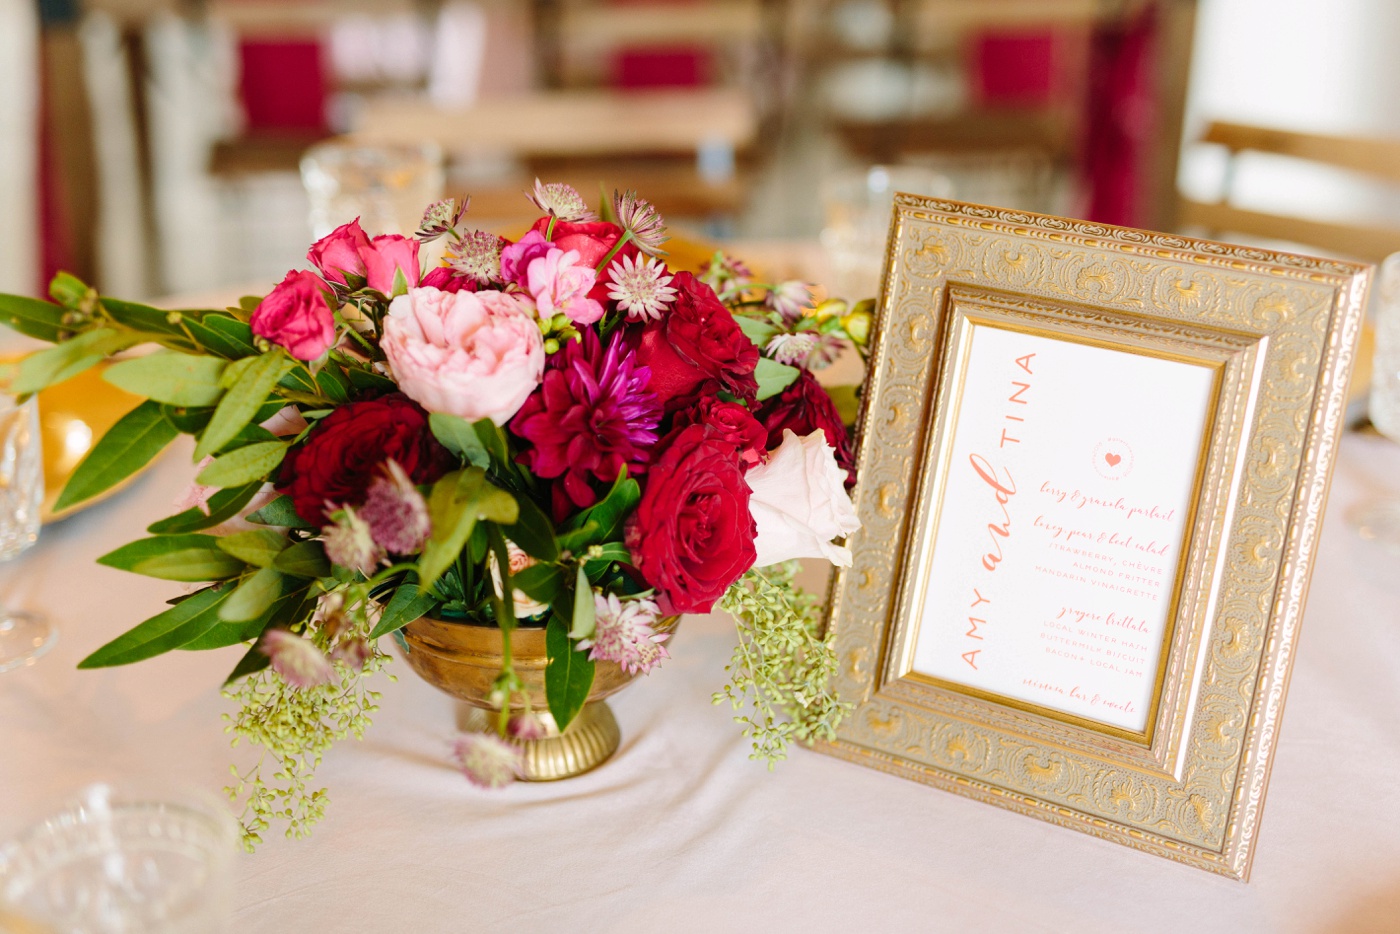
(463, 659)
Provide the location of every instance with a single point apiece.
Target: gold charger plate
(72, 416)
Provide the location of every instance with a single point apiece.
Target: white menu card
(1061, 525)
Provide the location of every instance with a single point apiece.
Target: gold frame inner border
(1279, 332)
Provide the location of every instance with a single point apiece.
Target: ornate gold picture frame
(1149, 530)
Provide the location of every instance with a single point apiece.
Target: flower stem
(626, 235)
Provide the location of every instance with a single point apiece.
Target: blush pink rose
(516, 258)
(472, 354)
(560, 285)
(387, 255)
(340, 253)
(296, 315)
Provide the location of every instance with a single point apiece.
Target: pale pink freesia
(623, 634)
(296, 659)
(487, 760)
(799, 502)
(471, 354)
(386, 257)
(560, 284)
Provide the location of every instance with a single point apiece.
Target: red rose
(730, 422)
(696, 348)
(296, 315)
(336, 463)
(692, 534)
(593, 241)
(446, 280)
(803, 408)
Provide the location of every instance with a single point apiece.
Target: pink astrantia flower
(789, 299)
(297, 316)
(296, 659)
(792, 349)
(560, 285)
(388, 256)
(471, 354)
(339, 255)
(477, 256)
(487, 760)
(516, 258)
(350, 544)
(640, 287)
(527, 726)
(396, 512)
(353, 653)
(623, 634)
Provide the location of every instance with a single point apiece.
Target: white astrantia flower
(487, 760)
(296, 659)
(640, 287)
(792, 349)
(799, 503)
(622, 633)
(790, 298)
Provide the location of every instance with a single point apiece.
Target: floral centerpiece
(556, 432)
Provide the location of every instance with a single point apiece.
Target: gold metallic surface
(463, 659)
(72, 417)
(1281, 331)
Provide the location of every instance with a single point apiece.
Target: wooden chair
(1376, 158)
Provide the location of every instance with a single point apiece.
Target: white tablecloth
(680, 831)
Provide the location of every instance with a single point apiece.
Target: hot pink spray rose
(472, 354)
(516, 258)
(385, 257)
(340, 253)
(560, 285)
(297, 316)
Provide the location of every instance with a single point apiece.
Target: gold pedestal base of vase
(588, 742)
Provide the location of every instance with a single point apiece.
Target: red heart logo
(1112, 459)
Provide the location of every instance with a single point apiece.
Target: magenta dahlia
(592, 414)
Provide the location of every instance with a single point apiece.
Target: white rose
(799, 503)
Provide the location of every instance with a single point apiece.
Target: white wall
(19, 213)
(1329, 66)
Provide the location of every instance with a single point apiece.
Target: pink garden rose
(560, 285)
(340, 253)
(296, 315)
(386, 256)
(471, 354)
(516, 258)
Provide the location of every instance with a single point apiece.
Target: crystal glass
(120, 862)
(858, 203)
(23, 636)
(386, 187)
(1380, 518)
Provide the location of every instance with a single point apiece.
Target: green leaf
(493, 439)
(598, 565)
(280, 512)
(242, 401)
(757, 330)
(223, 505)
(367, 379)
(290, 606)
(452, 510)
(847, 402)
(333, 384)
(33, 317)
(145, 318)
(584, 617)
(773, 377)
(252, 598)
(221, 334)
(568, 676)
(127, 446)
(170, 377)
(610, 513)
(304, 559)
(64, 361)
(458, 436)
(186, 621)
(577, 540)
(544, 583)
(175, 558)
(407, 604)
(258, 547)
(244, 465)
(496, 505)
(533, 531)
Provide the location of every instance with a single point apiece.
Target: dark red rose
(730, 422)
(593, 241)
(341, 457)
(692, 534)
(803, 408)
(447, 280)
(696, 348)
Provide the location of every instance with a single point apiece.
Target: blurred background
(158, 147)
